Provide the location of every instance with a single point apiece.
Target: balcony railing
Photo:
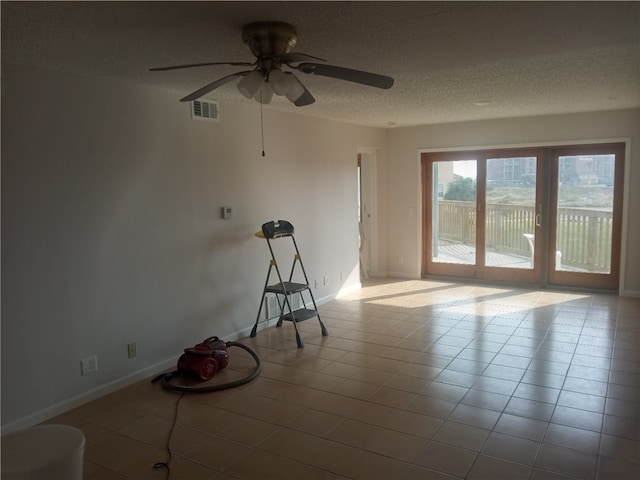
(583, 235)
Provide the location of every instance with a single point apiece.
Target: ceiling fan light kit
(255, 86)
(271, 44)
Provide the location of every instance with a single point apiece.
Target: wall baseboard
(630, 293)
(96, 393)
(406, 275)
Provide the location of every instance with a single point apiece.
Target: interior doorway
(366, 207)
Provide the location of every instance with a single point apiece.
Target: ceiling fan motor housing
(269, 38)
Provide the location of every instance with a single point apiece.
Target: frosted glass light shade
(279, 82)
(264, 93)
(250, 84)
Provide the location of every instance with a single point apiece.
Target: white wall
(111, 227)
(403, 173)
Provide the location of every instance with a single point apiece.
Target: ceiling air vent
(205, 110)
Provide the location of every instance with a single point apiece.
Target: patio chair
(531, 240)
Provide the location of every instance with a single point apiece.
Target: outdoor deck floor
(466, 254)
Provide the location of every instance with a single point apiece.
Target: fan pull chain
(261, 123)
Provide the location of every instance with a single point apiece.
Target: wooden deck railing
(584, 238)
(583, 235)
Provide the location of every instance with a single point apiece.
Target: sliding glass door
(530, 215)
(480, 214)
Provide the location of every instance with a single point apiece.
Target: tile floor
(417, 380)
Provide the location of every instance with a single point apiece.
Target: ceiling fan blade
(305, 99)
(213, 85)
(191, 65)
(342, 73)
(295, 57)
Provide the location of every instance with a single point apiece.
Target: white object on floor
(43, 452)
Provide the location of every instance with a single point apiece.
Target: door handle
(538, 218)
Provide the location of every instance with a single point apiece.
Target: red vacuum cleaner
(202, 361)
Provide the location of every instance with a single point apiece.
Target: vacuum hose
(166, 377)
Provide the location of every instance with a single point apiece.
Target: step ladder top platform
(275, 229)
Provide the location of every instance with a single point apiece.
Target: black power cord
(168, 445)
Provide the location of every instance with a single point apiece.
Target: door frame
(622, 200)
(610, 281)
(367, 160)
(446, 269)
(520, 275)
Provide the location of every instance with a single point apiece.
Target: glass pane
(510, 212)
(585, 213)
(454, 212)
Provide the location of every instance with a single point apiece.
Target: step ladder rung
(300, 315)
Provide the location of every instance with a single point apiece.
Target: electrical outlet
(89, 365)
(326, 280)
(132, 349)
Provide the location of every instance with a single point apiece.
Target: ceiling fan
(271, 44)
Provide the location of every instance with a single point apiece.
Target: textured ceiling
(452, 61)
